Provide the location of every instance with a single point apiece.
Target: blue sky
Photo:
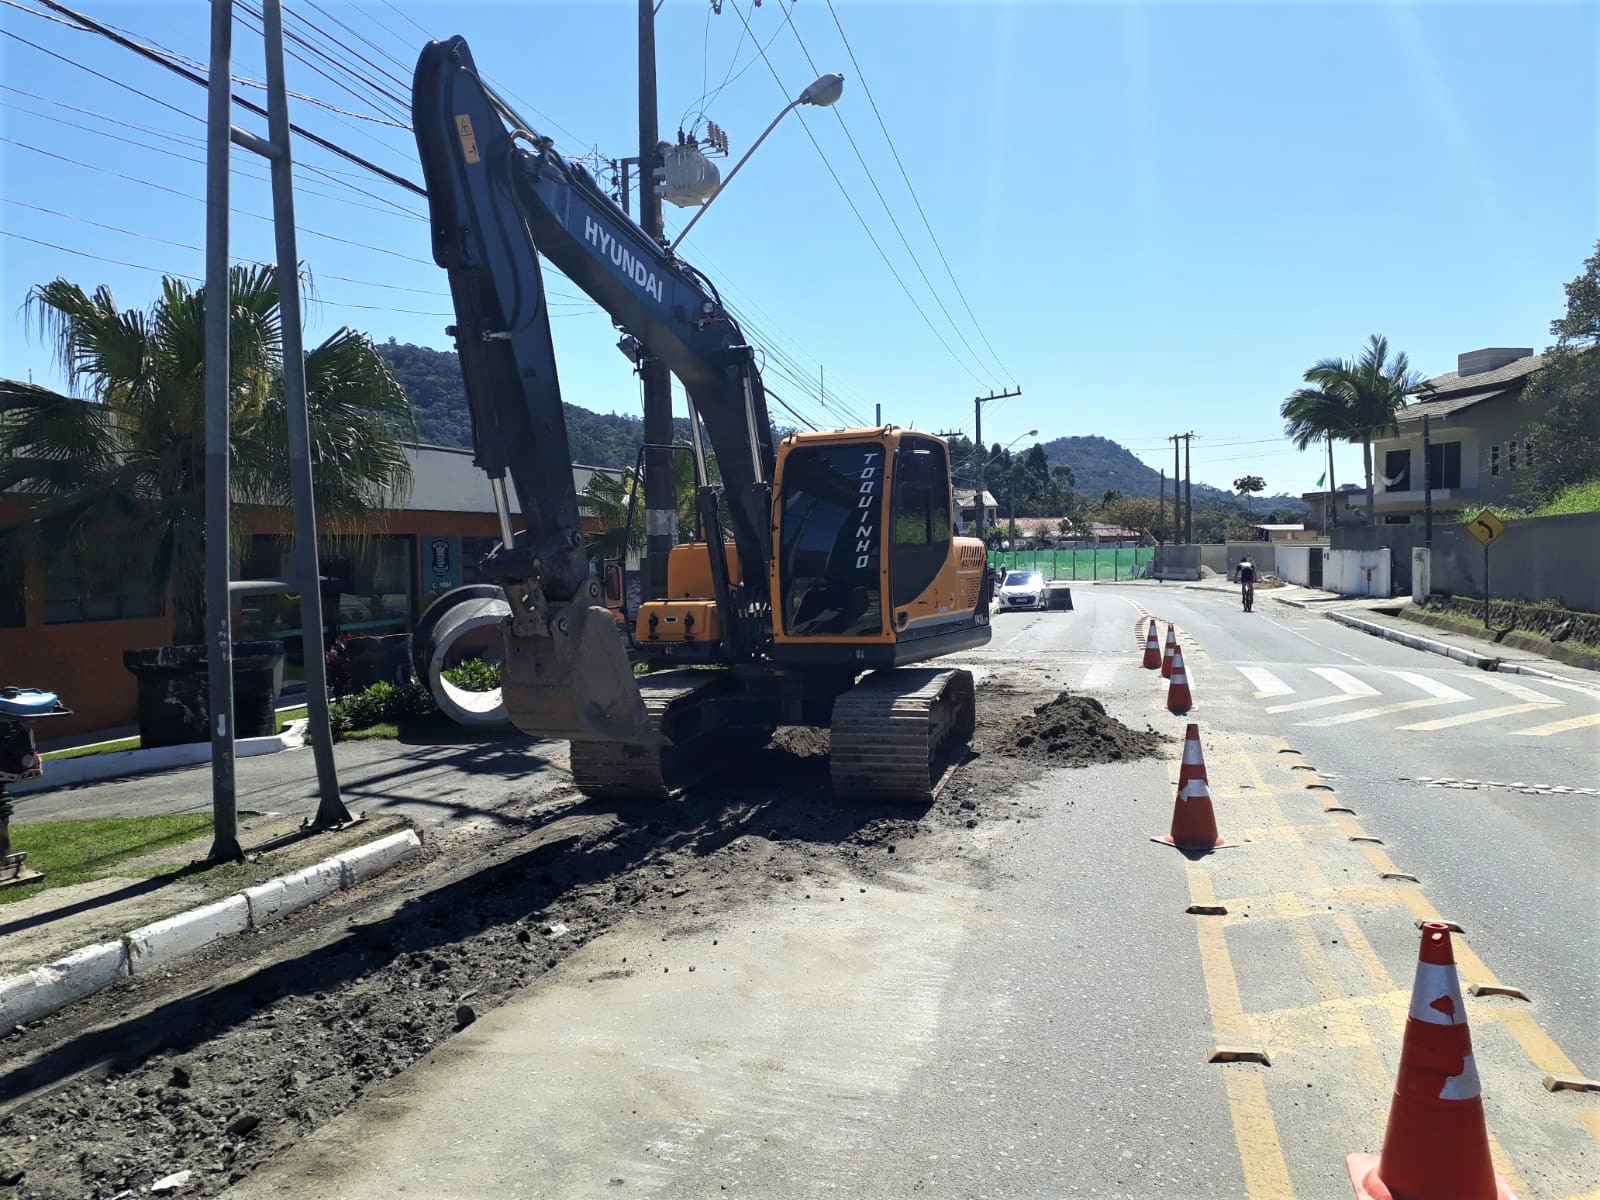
(1160, 214)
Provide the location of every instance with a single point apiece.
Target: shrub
(474, 675)
(380, 704)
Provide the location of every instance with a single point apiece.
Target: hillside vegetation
(1100, 465)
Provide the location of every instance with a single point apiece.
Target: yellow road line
(1472, 718)
(1255, 1132)
(1566, 726)
(1512, 688)
(1367, 714)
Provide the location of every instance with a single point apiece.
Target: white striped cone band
(1195, 789)
(1436, 995)
(1464, 1086)
(1191, 754)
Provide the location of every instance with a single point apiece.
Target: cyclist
(1245, 573)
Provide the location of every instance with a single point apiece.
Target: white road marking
(1566, 726)
(1099, 675)
(1518, 690)
(1471, 718)
(1366, 714)
(1320, 702)
(1267, 684)
(1432, 686)
(1345, 682)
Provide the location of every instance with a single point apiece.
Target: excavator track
(674, 704)
(897, 734)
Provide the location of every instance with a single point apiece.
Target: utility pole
(1161, 508)
(1427, 485)
(1188, 492)
(660, 502)
(1177, 521)
(977, 436)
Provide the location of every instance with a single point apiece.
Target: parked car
(1022, 589)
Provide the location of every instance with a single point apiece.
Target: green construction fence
(1094, 562)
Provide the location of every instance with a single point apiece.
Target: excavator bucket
(575, 683)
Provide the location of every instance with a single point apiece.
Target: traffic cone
(1194, 761)
(1436, 1146)
(1194, 823)
(1152, 648)
(1178, 698)
(1166, 654)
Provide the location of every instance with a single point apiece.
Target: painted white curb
(277, 898)
(366, 861)
(160, 942)
(118, 764)
(43, 990)
(1417, 642)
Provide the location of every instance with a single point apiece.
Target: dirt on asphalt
(215, 1065)
(1074, 731)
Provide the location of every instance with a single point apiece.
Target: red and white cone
(1152, 648)
(1436, 1146)
(1194, 822)
(1166, 654)
(1193, 765)
(1178, 698)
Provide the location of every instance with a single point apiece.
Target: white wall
(1357, 572)
(1294, 563)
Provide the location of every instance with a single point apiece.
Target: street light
(824, 93)
(1011, 484)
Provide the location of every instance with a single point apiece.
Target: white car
(1022, 589)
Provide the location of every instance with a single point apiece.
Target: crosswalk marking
(1433, 687)
(1345, 682)
(1099, 675)
(1526, 694)
(1471, 718)
(1267, 684)
(1566, 726)
(1366, 714)
(1319, 702)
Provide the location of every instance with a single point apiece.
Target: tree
(1140, 515)
(1247, 485)
(1353, 400)
(1567, 438)
(120, 478)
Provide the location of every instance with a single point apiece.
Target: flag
(1321, 479)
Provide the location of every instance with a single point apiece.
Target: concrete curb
(92, 768)
(42, 990)
(1417, 642)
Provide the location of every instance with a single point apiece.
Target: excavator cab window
(920, 513)
(830, 540)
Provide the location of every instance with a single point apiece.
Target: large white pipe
(475, 710)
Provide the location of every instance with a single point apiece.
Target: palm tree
(120, 478)
(605, 498)
(1351, 401)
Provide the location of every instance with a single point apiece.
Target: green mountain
(432, 380)
(1099, 464)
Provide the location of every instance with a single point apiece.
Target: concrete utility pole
(1188, 492)
(660, 500)
(1427, 485)
(1177, 521)
(1161, 508)
(977, 436)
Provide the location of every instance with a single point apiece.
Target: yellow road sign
(1486, 527)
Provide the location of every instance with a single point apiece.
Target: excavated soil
(1074, 731)
(215, 1065)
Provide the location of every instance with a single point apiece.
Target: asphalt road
(1029, 1013)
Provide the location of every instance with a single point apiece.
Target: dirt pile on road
(1074, 731)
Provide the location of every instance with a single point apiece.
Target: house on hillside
(1343, 514)
(1477, 426)
(967, 509)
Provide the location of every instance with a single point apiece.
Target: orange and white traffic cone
(1178, 698)
(1193, 765)
(1194, 823)
(1152, 648)
(1436, 1146)
(1166, 654)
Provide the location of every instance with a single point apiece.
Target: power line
(159, 58)
(862, 220)
(889, 212)
(872, 100)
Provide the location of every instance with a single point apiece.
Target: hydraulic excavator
(827, 565)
